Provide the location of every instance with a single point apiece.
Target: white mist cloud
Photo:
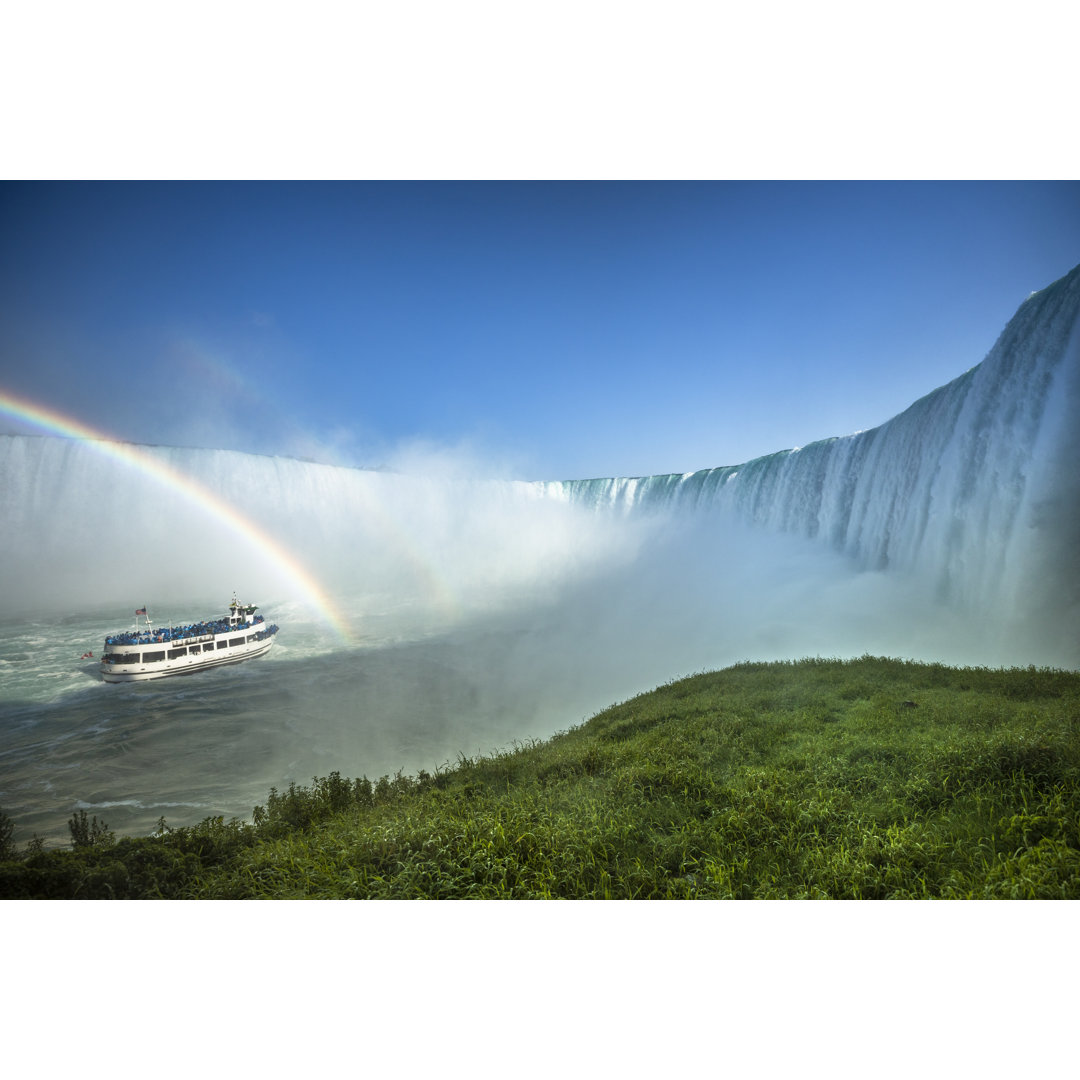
(628, 599)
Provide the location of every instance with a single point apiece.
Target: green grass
(870, 778)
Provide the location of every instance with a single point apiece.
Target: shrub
(89, 832)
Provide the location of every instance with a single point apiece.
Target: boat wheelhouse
(147, 653)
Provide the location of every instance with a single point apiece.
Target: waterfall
(974, 487)
(971, 494)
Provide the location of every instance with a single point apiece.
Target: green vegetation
(870, 778)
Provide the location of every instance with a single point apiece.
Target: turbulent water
(427, 615)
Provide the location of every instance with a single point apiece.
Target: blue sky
(547, 330)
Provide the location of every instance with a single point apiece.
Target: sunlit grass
(869, 778)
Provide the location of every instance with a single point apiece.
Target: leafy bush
(88, 832)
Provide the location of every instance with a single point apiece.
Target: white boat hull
(216, 652)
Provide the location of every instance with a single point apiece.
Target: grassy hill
(869, 778)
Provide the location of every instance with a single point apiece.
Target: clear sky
(552, 330)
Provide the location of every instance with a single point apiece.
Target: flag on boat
(140, 611)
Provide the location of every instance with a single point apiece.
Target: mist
(596, 593)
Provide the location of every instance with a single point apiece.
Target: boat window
(253, 637)
(152, 657)
(222, 644)
(174, 653)
(125, 658)
(236, 641)
(193, 649)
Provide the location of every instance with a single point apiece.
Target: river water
(214, 742)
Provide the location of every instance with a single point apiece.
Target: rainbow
(135, 457)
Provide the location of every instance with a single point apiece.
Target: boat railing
(199, 631)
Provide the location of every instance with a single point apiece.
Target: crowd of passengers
(175, 633)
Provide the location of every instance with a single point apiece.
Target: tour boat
(146, 653)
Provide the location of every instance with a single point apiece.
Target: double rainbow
(134, 457)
